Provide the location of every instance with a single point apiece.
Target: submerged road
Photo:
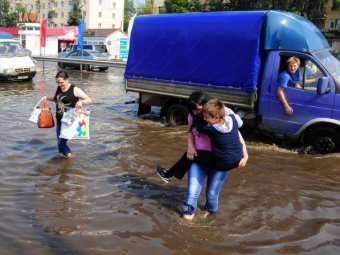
(109, 199)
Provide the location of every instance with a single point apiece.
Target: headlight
(9, 70)
(32, 68)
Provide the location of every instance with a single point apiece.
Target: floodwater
(109, 199)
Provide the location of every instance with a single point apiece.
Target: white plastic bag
(75, 124)
(35, 113)
(69, 116)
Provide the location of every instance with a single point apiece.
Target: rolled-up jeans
(62, 143)
(196, 178)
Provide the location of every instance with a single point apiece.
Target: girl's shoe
(162, 174)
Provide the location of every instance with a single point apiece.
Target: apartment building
(97, 13)
(331, 24)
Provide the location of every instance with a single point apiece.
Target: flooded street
(109, 199)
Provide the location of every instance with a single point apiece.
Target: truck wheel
(177, 115)
(324, 140)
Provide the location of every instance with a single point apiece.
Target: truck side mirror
(322, 85)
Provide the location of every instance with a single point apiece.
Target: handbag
(75, 124)
(45, 119)
(35, 113)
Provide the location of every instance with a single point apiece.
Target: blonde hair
(214, 108)
(293, 60)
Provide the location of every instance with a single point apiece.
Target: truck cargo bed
(229, 97)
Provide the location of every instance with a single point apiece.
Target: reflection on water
(108, 199)
(16, 88)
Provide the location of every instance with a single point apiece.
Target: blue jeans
(62, 143)
(196, 179)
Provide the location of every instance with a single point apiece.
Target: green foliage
(129, 11)
(196, 6)
(146, 8)
(179, 6)
(217, 5)
(176, 6)
(309, 8)
(75, 15)
(7, 18)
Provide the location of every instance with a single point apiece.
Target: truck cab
(315, 118)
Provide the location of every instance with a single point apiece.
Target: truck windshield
(331, 63)
(12, 49)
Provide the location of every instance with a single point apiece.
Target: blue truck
(237, 57)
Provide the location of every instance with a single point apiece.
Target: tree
(75, 15)
(129, 11)
(311, 9)
(146, 8)
(196, 6)
(176, 6)
(216, 5)
(7, 18)
(307, 8)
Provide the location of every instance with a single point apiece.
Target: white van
(16, 63)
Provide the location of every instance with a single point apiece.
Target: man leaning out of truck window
(290, 77)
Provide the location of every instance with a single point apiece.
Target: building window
(334, 24)
(113, 26)
(100, 2)
(43, 6)
(84, 13)
(113, 15)
(62, 15)
(44, 15)
(84, 2)
(56, 15)
(336, 5)
(99, 14)
(55, 4)
(99, 25)
(49, 5)
(114, 5)
(62, 4)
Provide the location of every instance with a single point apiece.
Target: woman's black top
(64, 101)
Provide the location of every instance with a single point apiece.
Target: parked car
(73, 47)
(88, 55)
(16, 64)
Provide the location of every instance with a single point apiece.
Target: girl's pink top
(202, 141)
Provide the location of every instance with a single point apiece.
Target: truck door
(307, 104)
